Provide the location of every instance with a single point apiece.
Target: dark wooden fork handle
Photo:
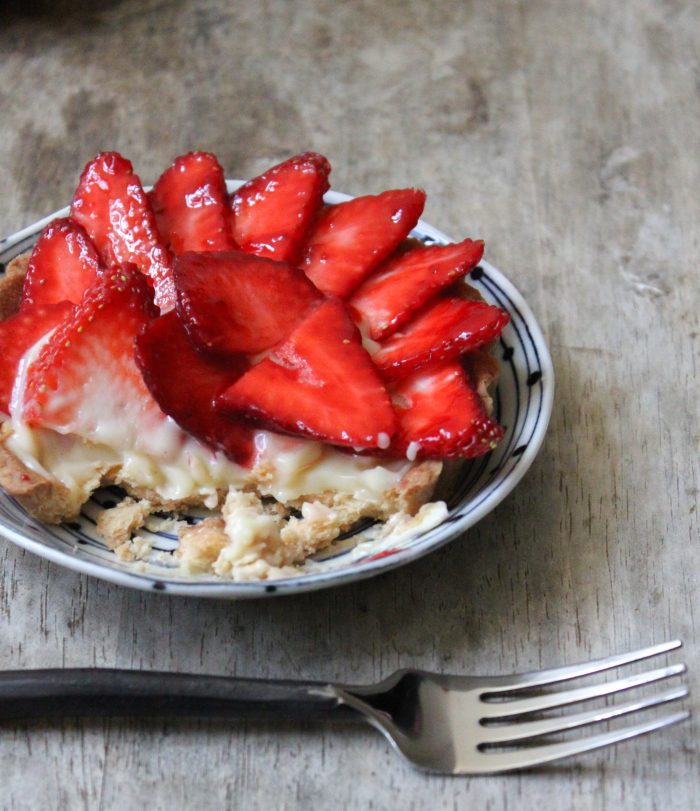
(86, 692)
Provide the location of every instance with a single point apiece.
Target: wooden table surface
(563, 133)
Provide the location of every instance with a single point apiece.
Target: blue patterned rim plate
(523, 404)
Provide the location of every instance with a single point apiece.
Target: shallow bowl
(523, 404)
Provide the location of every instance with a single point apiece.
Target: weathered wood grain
(563, 133)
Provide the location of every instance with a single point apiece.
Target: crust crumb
(11, 284)
(253, 534)
(415, 488)
(318, 526)
(117, 524)
(483, 368)
(201, 545)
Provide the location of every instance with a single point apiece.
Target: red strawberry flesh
(441, 416)
(391, 295)
(272, 213)
(349, 240)
(190, 204)
(185, 383)
(443, 329)
(233, 302)
(85, 380)
(319, 383)
(248, 279)
(18, 334)
(113, 208)
(63, 264)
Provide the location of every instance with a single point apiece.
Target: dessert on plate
(288, 367)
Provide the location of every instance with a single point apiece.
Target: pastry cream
(174, 465)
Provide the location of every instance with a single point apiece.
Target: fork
(441, 723)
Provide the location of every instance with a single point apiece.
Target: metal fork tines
(472, 725)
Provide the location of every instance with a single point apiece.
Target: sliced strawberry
(443, 329)
(85, 380)
(441, 415)
(20, 332)
(190, 204)
(272, 213)
(234, 302)
(63, 264)
(112, 207)
(350, 239)
(406, 281)
(186, 382)
(319, 383)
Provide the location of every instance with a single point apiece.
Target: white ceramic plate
(523, 404)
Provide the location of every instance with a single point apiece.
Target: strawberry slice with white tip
(441, 416)
(63, 264)
(113, 208)
(185, 383)
(233, 302)
(393, 293)
(443, 329)
(191, 205)
(319, 383)
(271, 214)
(85, 380)
(19, 333)
(349, 240)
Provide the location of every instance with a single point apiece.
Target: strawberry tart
(287, 366)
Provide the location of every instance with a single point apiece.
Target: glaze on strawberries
(190, 205)
(350, 239)
(112, 207)
(271, 214)
(63, 264)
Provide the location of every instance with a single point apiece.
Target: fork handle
(90, 692)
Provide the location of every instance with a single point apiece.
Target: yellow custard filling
(177, 467)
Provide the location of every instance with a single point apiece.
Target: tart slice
(200, 359)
